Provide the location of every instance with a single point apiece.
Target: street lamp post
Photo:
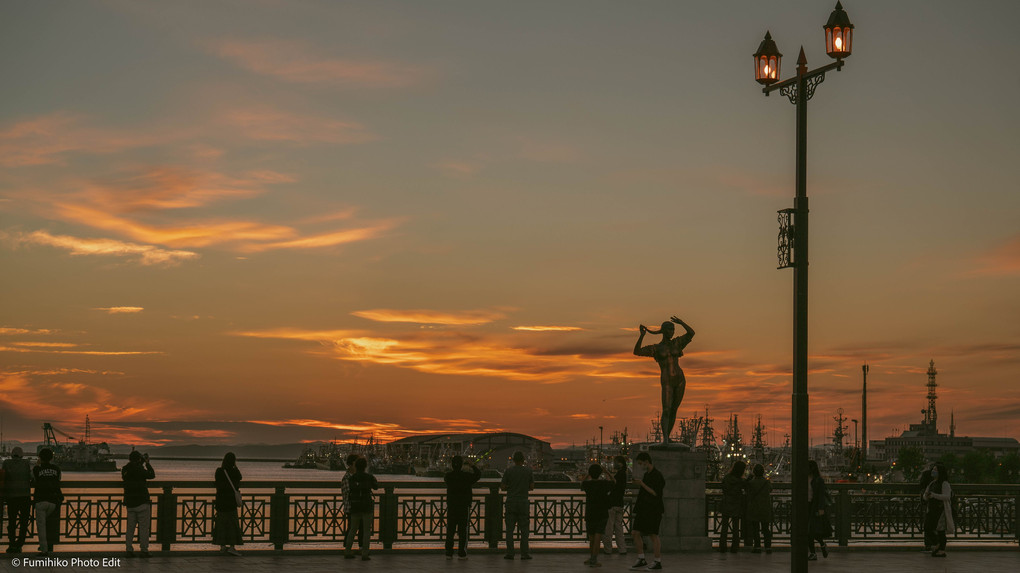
(793, 247)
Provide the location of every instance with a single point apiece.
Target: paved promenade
(966, 561)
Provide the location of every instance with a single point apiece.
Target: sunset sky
(263, 221)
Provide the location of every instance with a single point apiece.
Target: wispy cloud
(462, 318)
(271, 124)
(47, 139)
(298, 62)
(145, 254)
(121, 309)
(81, 352)
(45, 344)
(8, 330)
(1003, 259)
(548, 328)
(157, 187)
(324, 239)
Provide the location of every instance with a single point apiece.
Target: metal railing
(863, 513)
(413, 514)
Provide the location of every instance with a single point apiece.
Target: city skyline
(248, 222)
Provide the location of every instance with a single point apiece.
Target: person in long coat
(732, 509)
(227, 529)
(939, 517)
(819, 526)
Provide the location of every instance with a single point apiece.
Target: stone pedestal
(683, 524)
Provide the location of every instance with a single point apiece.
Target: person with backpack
(939, 517)
(345, 494)
(360, 508)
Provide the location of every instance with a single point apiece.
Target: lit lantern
(839, 34)
(766, 61)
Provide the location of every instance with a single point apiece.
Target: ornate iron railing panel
(557, 517)
(196, 517)
(422, 517)
(317, 517)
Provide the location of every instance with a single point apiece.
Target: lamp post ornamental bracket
(808, 76)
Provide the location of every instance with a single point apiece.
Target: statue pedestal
(683, 524)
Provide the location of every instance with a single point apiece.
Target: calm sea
(190, 470)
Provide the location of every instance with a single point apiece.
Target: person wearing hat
(136, 500)
(18, 494)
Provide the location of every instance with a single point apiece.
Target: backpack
(361, 493)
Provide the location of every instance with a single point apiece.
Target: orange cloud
(269, 124)
(295, 62)
(173, 187)
(469, 317)
(11, 330)
(1002, 260)
(209, 433)
(46, 344)
(548, 328)
(324, 239)
(198, 234)
(460, 354)
(47, 139)
(58, 399)
(146, 254)
(121, 309)
(82, 352)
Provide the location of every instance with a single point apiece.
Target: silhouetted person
(345, 490)
(518, 480)
(939, 518)
(648, 510)
(597, 494)
(759, 509)
(18, 496)
(614, 523)
(227, 528)
(458, 504)
(819, 526)
(667, 353)
(136, 500)
(733, 486)
(929, 540)
(361, 509)
(48, 498)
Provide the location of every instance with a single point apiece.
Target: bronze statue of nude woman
(667, 353)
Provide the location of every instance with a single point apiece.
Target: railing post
(388, 518)
(493, 517)
(844, 517)
(279, 518)
(166, 517)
